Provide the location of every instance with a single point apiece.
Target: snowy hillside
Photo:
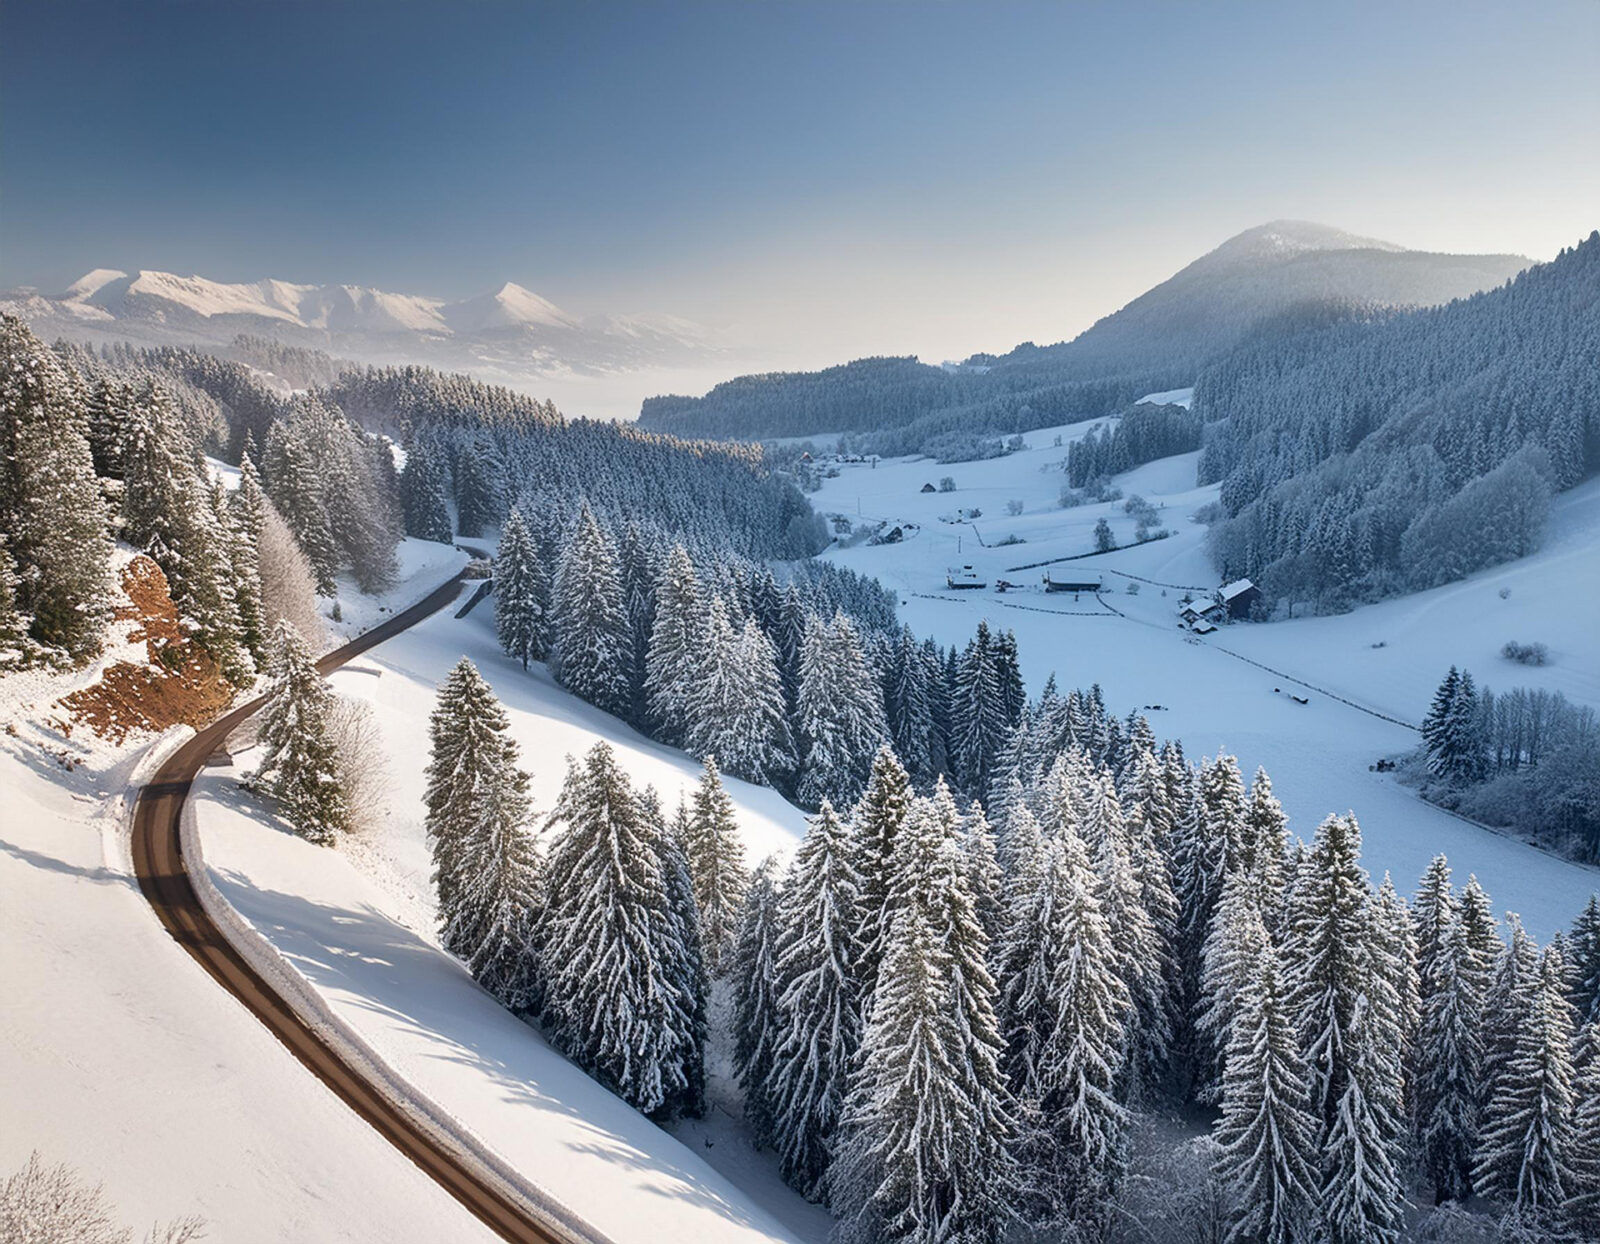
(1212, 694)
(359, 925)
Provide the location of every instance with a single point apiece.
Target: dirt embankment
(176, 684)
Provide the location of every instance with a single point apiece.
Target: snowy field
(358, 924)
(1319, 753)
(123, 1058)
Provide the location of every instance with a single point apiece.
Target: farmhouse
(963, 578)
(1228, 603)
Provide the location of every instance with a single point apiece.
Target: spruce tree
(909, 708)
(1266, 1138)
(590, 654)
(422, 495)
(606, 955)
(1525, 1151)
(687, 966)
(1363, 1199)
(716, 862)
(819, 1011)
(293, 486)
(15, 647)
(244, 560)
(486, 869)
(676, 644)
(757, 1024)
(1232, 955)
(877, 825)
(518, 612)
(1584, 949)
(298, 766)
(839, 713)
(1583, 1182)
(51, 511)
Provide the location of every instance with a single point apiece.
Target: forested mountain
(1162, 339)
(1393, 452)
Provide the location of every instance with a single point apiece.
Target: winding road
(160, 866)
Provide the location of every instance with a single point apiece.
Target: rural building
(1229, 602)
(1052, 584)
(963, 578)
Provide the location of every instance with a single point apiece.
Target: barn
(1052, 584)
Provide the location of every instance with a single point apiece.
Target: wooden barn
(1074, 585)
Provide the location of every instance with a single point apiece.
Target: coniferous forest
(1026, 953)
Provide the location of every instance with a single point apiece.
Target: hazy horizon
(812, 184)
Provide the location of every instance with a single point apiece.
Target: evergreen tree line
(1526, 759)
(89, 459)
(779, 682)
(1144, 433)
(946, 1023)
(1390, 453)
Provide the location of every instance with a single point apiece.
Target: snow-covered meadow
(1214, 692)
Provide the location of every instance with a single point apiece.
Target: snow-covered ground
(1319, 753)
(357, 923)
(424, 565)
(119, 1055)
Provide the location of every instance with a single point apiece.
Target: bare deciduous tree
(42, 1204)
(288, 587)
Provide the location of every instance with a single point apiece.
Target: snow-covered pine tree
(1327, 960)
(1506, 1003)
(1448, 1060)
(422, 494)
(636, 560)
(1525, 1151)
(984, 877)
(909, 708)
(1084, 1036)
(978, 714)
(716, 862)
(606, 957)
(757, 1029)
(1266, 838)
(756, 743)
(243, 561)
(590, 651)
(1583, 1183)
(1584, 949)
(297, 766)
(50, 506)
(480, 486)
(1397, 1007)
(1232, 955)
(486, 868)
(923, 1138)
(1266, 1137)
(839, 713)
(688, 968)
(292, 483)
(676, 646)
(876, 828)
(518, 614)
(819, 1028)
(1435, 728)
(1363, 1198)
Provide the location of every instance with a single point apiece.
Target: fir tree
(909, 708)
(298, 767)
(50, 507)
(422, 495)
(1584, 949)
(1233, 951)
(15, 648)
(244, 560)
(486, 870)
(757, 1025)
(839, 713)
(610, 1002)
(1363, 1201)
(1525, 1151)
(716, 862)
(676, 644)
(518, 611)
(293, 486)
(590, 655)
(1266, 1138)
(1583, 1166)
(978, 714)
(820, 1012)
(877, 825)
(688, 966)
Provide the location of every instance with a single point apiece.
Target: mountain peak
(1284, 239)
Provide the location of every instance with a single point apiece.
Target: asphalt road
(159, 865)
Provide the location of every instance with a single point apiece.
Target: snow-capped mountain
(511, 332)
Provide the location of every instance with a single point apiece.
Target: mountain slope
(1243, 288)
(511, 333)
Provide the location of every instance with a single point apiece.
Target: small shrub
(947, 484)
(1013, 507)
(1526, 654)
(1013, 538)
(1016, 443)
(1133, 589)
(1505, 593)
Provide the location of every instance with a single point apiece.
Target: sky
(814, 181)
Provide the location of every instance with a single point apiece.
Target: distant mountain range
(511, 333)
(1267, 280)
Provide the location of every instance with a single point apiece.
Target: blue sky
(821, 179)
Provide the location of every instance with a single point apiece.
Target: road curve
(160, 867)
